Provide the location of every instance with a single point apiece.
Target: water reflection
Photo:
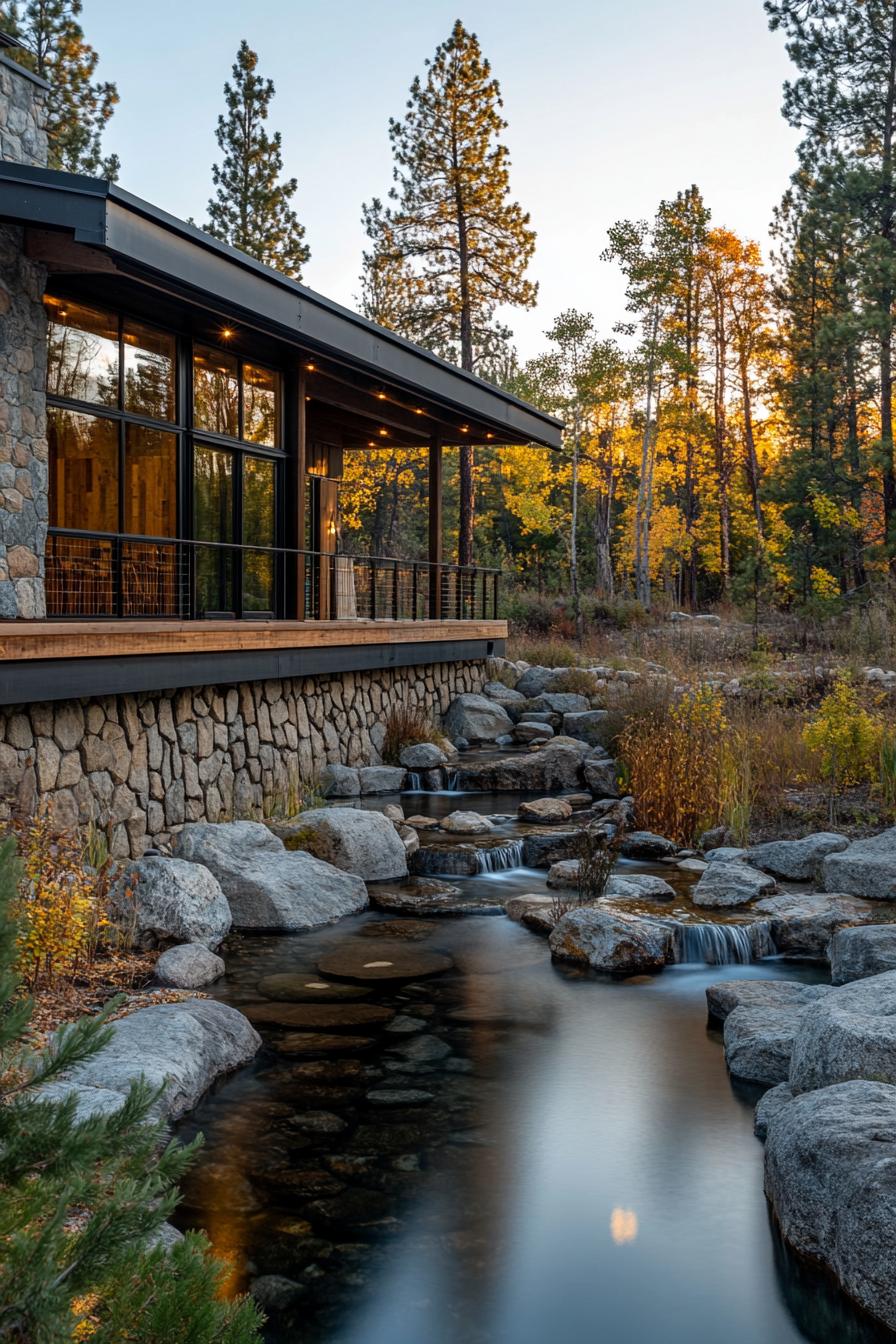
(454, 1178)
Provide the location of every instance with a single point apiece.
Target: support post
(298, 493)
(435, 527)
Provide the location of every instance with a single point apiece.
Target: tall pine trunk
(603, 519)
(886, 308)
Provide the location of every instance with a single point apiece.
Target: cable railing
(109, 575)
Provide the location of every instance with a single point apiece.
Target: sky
(612, 106)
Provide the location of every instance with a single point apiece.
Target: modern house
(179, 636)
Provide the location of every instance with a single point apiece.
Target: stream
(493, 1149)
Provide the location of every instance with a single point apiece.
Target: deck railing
(104, 574)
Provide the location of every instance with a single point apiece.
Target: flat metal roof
(154, 246)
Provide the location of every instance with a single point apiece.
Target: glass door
(259, 529)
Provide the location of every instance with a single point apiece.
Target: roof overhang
(150, 245)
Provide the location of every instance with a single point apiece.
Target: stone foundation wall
(139, 766)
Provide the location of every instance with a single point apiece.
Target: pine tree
(251, 207)
(82, 1199)
(78, 108)
(453, 220)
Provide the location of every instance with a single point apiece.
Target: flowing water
(507, 1152)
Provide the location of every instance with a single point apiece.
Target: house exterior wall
(139, 766)
(23, 344)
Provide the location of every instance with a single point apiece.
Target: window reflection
(261, 388)
(215, 391)
(213, 521)
(82, 353)
(150, 482)
(148, 371)
(83, 471)
(258, 530)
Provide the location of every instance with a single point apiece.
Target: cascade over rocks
(796, 860)
(727, 884)
(831, 1180)
(172, 901)
(354, 840)
(266, 886)
(611, 942)
(556, 765)
(866, 868)
(856, 953)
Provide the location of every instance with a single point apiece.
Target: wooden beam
(435, 526)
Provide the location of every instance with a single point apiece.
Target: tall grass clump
(406, 725)
(673, 757)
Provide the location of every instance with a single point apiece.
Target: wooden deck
(33, 640)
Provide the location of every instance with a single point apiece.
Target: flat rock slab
(546, 811)
(796, 860)
(867, 868)
(803, 925)
(293, 988)
(320, 1043)
(318, 1016)
(727, 884)
(724, 997)
(831, 1180)
(368, 963)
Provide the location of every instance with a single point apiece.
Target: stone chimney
(23, 359)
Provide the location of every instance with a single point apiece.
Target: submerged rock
(831, 1180)
(611, 942)
(188, 966)
(803, 925)
(367, 962)
(796, 860)
(859, 952)
(727, 884)
(352, 839)
(428, 896)
(266, 886)
(476, 718)
(866, 868)
(849, 1034)
(171, 901)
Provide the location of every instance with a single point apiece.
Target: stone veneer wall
(23, 346)
(139, 766)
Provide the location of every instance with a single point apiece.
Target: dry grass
(405, 727)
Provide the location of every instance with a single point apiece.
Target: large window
(235, 398)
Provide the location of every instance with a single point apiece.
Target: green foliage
(846, 739)
(81, 1198)
(251, 207)
(888, 769)
(78, 107)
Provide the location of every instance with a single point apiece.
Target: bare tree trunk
(721, 441)
(644, 504)
(573, 541)
(603, 519)
(752, 461)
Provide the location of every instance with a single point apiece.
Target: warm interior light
(418, 411)
(381, 396)
(310, 367)
(465, 429)
(489, 436)
(370, 443)
(383, 433)
(226, 333)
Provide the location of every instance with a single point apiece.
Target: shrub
(544, 653)
(846, 739)
(532, 613)
(673, 757)
(81, 1199)
(888, 769)
(405, 727)
(577, 681)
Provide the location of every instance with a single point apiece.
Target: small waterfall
(453, 781)
(501, 858)
(415, 783)
(723, 944)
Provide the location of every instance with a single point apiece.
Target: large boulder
(796, 860)
(601, 775)
(831, 1180)
(381, 779)
(352, 839)
(339, 781)
(611, 942)
(180, 1048)
(476, 718)
(529, 731)
(858, 952)
(802, 925)
(849, 1034)
(503, 695)
(723, 997)
(759, 1041)
(560, 703)
(188, 966)
(556, 765)
(171, 901)
(536, 680)
(768, 1106)
(866, 868)
(726, 884)
(588, 724)
(423, 756)
(266, 886)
